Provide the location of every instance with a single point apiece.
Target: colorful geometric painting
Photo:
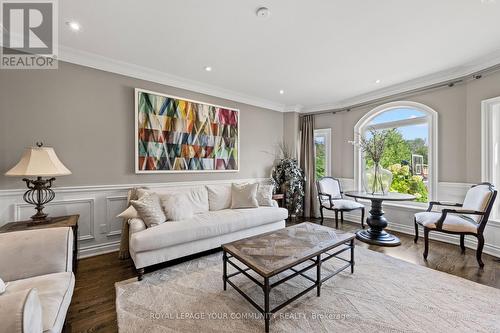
(179, 135)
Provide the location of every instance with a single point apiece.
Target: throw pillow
(149, 209)
(244, 196)
(129, 213)
(2, 287)
(177, 207)
(219, 196)
(265, 195)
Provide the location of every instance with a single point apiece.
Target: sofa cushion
(244, 196)
(55, 291)
(197, 196)
(150, 209)
(219, 196)
(176, 206)
(201, 226)
(265, 195)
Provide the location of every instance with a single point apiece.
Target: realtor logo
(29, 34)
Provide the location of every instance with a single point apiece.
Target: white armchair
(469, 218)
(37, 267)
(331, 197)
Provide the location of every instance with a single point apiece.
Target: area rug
(384, 294)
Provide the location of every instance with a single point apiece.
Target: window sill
(416, 206)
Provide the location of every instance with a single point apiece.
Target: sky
(409, 132)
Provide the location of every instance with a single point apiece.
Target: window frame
(327, 133)
(488, 132)
(431, 118)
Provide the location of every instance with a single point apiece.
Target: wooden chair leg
(363, 217)
(321, 212)
(462, 243)
(426, 242)
(416, 231)
(479, 252)
(140, 274)
(342, 217)
(336, 219)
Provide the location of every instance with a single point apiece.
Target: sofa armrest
(29, 253)
(21, 312)
(136, 225)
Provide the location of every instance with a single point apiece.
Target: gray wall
(459, 135)
(87, 115)
(291, 131)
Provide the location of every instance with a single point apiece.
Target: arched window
(411, 148)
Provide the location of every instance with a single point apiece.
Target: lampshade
(40, 162)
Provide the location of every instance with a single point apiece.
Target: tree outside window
(322, 152)
(407, 150)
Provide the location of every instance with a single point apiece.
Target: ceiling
(322, 53)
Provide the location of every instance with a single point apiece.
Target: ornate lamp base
(39, 194)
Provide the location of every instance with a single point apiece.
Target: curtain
(308, 164)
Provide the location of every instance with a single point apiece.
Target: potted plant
(288, 179)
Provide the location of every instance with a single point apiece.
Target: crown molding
(293, 108)
(92, 60)
(479, 64)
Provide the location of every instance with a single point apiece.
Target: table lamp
(39, 162)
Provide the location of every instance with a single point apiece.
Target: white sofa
(37, 266)
(207, 229)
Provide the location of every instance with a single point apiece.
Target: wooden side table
(54, 222)
(280, 198)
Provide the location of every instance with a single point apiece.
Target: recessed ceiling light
(282, 92)
(208, 68)
(73, 25)
(263, 13)
(377, 81)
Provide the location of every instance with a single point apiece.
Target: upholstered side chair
(331, 197)
(469, 219)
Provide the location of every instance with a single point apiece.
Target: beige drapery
(308, 164)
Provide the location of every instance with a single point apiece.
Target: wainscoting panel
(98, 227)
(114, 206)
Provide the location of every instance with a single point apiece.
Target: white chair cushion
(452, 222)
(55, 291)
(342, 204)
(477, 198)
(329, 186)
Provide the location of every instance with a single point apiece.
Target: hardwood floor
(93, 305)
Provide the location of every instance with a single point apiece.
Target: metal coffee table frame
(267, 287)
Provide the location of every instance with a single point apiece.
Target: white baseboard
(409, 229)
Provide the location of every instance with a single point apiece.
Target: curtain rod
(449, 83)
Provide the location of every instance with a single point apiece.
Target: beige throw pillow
(3, 286)
(219, 196)
(265, 195)
(129, 213)
(244, 196)
(149, 208)
(177, 207)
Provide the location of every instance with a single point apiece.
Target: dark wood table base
(376, 235)
(316, 263)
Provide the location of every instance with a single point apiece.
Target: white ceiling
(323, 53)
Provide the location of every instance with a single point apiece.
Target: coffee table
(278, 251)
